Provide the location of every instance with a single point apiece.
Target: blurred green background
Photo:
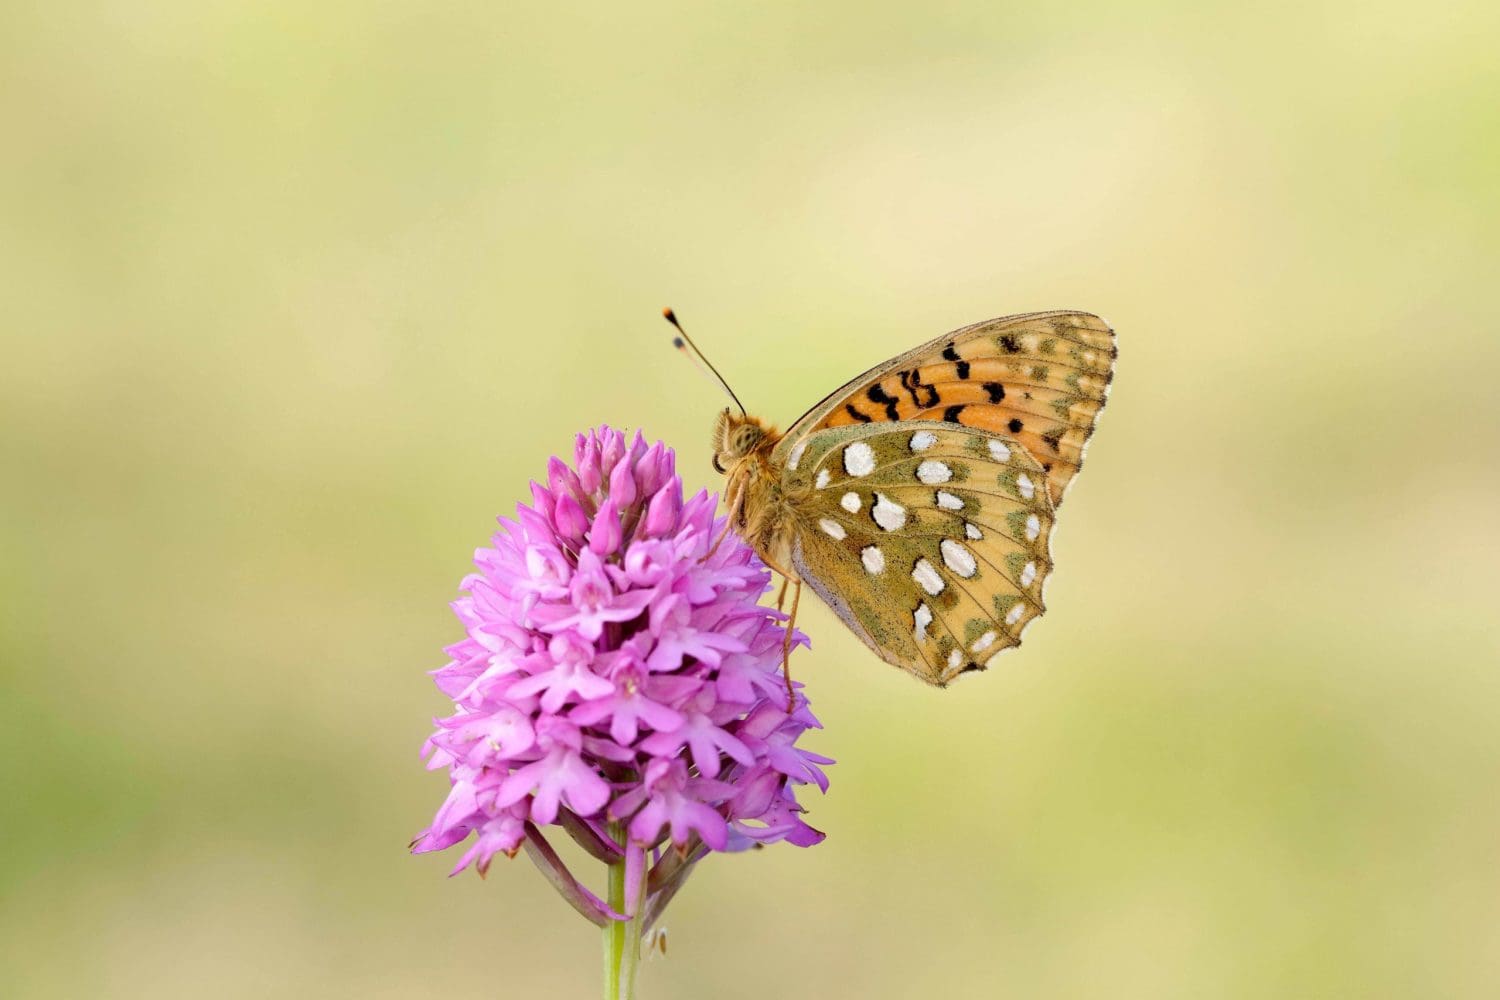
(297, 297)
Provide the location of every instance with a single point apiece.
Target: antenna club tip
(677, 343)
(670, 316)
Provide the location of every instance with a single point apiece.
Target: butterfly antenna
(683, 342)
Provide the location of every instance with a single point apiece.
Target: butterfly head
(736, 438)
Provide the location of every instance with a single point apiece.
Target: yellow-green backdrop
(296, 298)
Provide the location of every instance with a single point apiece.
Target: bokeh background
(296, 298)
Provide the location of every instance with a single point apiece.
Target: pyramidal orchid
(618, 680)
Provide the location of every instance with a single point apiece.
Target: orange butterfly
(918, 500)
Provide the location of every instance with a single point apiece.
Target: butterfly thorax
(754, 489)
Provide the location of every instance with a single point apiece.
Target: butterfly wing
(929, 540)
(1040, 379)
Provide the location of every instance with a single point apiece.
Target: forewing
(929, 540)
(1040, 379)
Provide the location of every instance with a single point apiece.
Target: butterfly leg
(781, 595)
(786, 648)
(733, 507)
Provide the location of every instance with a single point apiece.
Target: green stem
(622, 938)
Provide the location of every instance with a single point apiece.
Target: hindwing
(930, 540)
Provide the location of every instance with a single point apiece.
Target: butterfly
(918, 500)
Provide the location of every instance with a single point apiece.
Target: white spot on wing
(859, 459)
(922, 440)
(1014, 614)
(957, 558)
(887, 513)
(933, 472)
(850, 502)
(873, 558)
(1026, 486)
(832, 529)
(973, 533)
(927, 577)
(1033, 527)
(922, 618)
(984, 642)
(796, 454)
(948, 501)
(955, 658)
(999, 452)
(822, 478)
(1028, 574)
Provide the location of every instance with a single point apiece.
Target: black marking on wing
(909, 384)
(932, 394)
(952, 412)
(996, 391)
(933, 398)
(862, 418)
(963, 369)
(1015, 425)
(1010, 343)
(949, 354)
(878, 395)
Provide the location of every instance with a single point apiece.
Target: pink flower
(668, 798)
(612, 672)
